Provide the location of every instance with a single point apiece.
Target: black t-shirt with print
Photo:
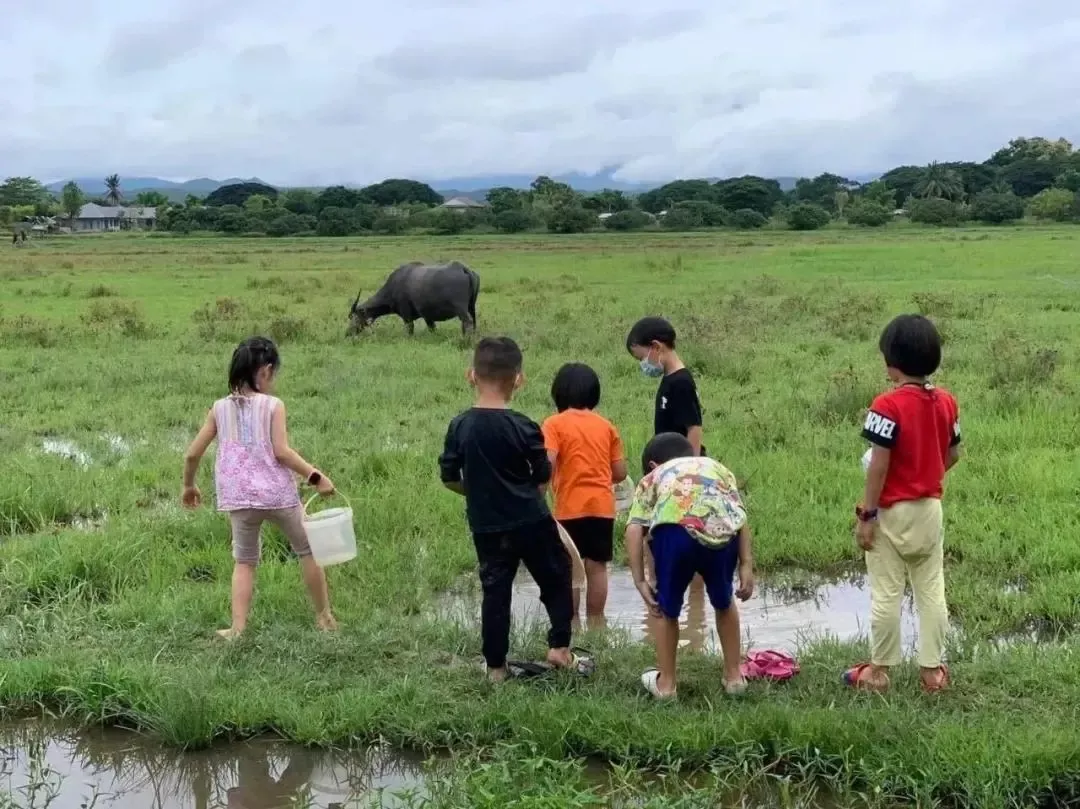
(677, 405)
(500, 458)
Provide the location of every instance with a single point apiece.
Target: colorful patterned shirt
(246, 473)
(698, 493)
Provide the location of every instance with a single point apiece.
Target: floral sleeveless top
(247, 474)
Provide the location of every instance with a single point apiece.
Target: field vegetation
(112, 348)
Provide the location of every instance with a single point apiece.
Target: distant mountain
(472, 187)
(93, 186)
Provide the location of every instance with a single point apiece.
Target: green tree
(72, 199)
(291, 224)
(504, 198)
(513, 220)
(903, 180)
(336, 221)
(935, 211)
(258, 204)
(570, 217)
(879, 193)
(807, 216)
(151, 199)
(681, 218)
(748, 219)
(447, 222)
(940, 182)
(822, 190)
(389, 224)
(607, 201)
(1030, 175)
(389, 193)
(749, 191)
(113, 194)
(1053, 204)
(22, 191)
(7, 214)
(237, 193)
(997, 209)
(667, 195)
(1032, 149)
(707, 214)
(628, 220)
(840, 200)
(1069, 180)
(299, 201)
(868, 213)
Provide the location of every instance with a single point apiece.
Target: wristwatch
(866, 514)
(314, 478)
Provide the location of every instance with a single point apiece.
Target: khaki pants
(908, 543)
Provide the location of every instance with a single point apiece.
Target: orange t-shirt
(585, 446)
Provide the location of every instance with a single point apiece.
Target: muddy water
(120, 770)
(778, 616)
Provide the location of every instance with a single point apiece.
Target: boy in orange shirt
(587, 457)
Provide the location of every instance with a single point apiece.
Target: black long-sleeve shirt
(498, 455)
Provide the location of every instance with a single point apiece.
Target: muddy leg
(430, 324)
(410, 327)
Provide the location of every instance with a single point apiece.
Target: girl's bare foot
(230, 633)
(497, 675)
(326, 622)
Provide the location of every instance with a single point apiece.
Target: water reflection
(778, 616)
(122, 770)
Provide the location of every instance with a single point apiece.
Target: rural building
(93, 217)
(463, 204)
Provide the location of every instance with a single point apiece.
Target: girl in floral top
(253, 477)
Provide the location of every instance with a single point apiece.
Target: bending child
(587, 455)
(252, 477)
(689, 510)
(496, 458)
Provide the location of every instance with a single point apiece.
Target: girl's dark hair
(249, 357)
(911, 344)
(576, 386)
(665, 447)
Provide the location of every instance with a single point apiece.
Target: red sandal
(857, 677)
(940, 683)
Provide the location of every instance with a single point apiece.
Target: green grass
(130, 336)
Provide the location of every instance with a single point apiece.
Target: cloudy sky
(353, 90)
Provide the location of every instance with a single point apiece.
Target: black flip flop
(526, 669)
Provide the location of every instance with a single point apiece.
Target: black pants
(537, 545)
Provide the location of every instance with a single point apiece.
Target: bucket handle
(314, 496)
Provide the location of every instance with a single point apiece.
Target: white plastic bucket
(624, 494)
(577, 567)
(330, 534)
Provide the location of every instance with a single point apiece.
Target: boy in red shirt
(914, 432)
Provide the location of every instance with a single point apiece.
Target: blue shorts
(677, 556)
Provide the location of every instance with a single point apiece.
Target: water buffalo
(418, 291)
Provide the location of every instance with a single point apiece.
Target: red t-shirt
(918, 424)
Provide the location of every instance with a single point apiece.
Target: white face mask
(650, 368)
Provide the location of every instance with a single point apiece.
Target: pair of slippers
(858, 677)
(650, 680)
(581, 663)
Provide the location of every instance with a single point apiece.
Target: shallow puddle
(777, 616)
(66, 449)
(122, 770)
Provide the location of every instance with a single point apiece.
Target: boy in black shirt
(678, 410)
(496, 458)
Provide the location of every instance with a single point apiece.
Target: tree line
(1030, 177)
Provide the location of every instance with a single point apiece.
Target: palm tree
(113, 194)
(941, 182)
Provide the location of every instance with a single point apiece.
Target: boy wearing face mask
(678, 409)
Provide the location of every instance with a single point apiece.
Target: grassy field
(109, 593)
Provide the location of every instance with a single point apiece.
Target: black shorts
(593, 537)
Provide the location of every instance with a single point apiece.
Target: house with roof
(100, 218)
(463, 204)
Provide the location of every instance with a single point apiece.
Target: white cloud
(333, 90)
